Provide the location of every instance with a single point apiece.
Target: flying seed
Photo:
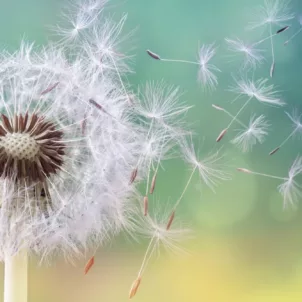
(145, 205)
(282, 29)
(221, 135)
(88, 265)
(134, 287)
(153, 55)
(170, 220)
(274, 151)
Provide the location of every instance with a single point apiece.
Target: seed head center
(20, 146)
(31, 148)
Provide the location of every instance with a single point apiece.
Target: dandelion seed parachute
(290, 189)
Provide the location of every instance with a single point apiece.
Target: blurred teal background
(245, 246)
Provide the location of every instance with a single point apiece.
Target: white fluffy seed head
(75, 155)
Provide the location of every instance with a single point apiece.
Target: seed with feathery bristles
(88, 265)
(49, 89)
(134, 287)
(27, 148)
(153, 55)
(221, 135)
(153, 184)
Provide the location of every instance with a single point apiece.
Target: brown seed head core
(30, 148)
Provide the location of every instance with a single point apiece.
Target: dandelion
(297, 32)
(295, 118)
(273, 12)
(254, 132)
(289, 188)
(206, 72)
(73, 150)
(254, 90)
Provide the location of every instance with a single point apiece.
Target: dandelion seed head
(69, 141)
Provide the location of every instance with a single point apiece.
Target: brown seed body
(146, 205)
(49, 89)
(282, 29)
(153, 55)
(133, 176)
(171, 218)
(221, 135)
(153, 184)
(88, 265)
(274, 151)
(134, 287)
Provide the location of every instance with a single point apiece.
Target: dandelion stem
(237, 114)
(185, 189)
(146, 258)
(232, 116)
(292, 133)
(273, 52)
(268, 175)
(15, 278)
(295, 34)
(180, 61)
(265, 39)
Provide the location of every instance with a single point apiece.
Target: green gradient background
(245, 247)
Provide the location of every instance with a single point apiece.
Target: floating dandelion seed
(251, 52)
(295, 117)
(297, 32)
(206, 72)
(273, 12)
(211, 168)
(258, 90)
(255, 132)
(162, 234)
(289, 189)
